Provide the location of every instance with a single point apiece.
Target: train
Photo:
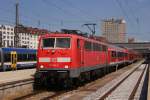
(73, 59)
(17, 58)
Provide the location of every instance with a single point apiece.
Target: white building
(33, 41)
(24, 40)
(28, 40)
(7, 36)
(28, 37)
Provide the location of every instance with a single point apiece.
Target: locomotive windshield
(48, 42)
(56, 43)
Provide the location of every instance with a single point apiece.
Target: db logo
(53, 60)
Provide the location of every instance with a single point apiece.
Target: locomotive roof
(116, 48)
(72, 35)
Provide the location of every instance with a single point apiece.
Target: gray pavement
(11, 76)
(148, 95)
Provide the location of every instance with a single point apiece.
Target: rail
(11, 89)
(109, 88)
(13, 84)
(117, 85)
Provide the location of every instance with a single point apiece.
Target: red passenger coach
(68, 58)
(117, 55)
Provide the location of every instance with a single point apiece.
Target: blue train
(17, 58)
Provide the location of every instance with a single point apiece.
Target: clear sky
(72, 14)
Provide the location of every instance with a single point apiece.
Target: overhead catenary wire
(83, 19)
(66, 12)
(4, 21)
(136, 18)
(81, 11)
(11, 12)
(27, 19)
(122, 9)
(132, 12)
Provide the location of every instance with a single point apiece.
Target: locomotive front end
(54, 53)
(54, 59)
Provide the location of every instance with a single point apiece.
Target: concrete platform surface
(148, 92)
(11, 76)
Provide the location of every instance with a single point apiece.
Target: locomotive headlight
(66, 66)
(41, 66)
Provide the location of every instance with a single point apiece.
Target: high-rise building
(131, 40)
(114, 30)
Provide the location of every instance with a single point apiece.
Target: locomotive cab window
(62, 42)
(7, 57)
(48, 42)
(56, 43)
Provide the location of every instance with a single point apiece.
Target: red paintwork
(116, 59)
(79, 56)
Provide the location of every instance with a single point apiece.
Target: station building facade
(6, 36)
(27, 36)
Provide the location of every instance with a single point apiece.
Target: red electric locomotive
(68, 58)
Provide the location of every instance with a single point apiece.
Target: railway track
(42, 95)
(123, 88)
(58, 95)
(66, 95)
(23, 90)
(126, 88)
(10, 89)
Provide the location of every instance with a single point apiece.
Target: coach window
(0, 57)
(104, 48)
(34, 57)
(78, 43)
(30, 57)
(118, 54)
(96, 47)
(88, 45)
(122, 54)
(19, 57)
(113, 54)
(126, 54)
(24, 57)
(100, 47)
(7, 57)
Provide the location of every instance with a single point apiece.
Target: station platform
(148, 92)
(16, 75)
